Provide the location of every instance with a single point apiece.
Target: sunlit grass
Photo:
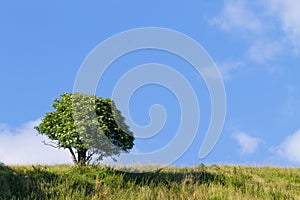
(100, 182)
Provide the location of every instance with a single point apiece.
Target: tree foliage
(88, 126)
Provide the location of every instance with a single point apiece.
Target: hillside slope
(99, 182)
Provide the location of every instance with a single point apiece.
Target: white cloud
(211, 72)
(22, 146)
(288, 12)
(261, 52)
(290, 148)
(245, 16)
(229, 68)
(270, 28)
(247, 144)
(237, 15)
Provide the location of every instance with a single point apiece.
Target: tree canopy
(86, 125)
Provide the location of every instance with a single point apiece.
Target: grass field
(100, 182)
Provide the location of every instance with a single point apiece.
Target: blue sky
(255, 45)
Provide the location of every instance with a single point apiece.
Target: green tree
(88, 126)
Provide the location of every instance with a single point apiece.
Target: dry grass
(100, 182)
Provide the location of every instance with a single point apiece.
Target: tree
(88, 126)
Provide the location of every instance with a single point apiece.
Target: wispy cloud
(290, 148)
(237, 15)
(22, 145)
(229, 69)
(261, 52)
(288, 13)
(255, 23)
(247, 143)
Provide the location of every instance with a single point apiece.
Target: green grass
(100, 182)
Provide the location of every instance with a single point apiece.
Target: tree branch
(73, 155)
(89, 157)
(52, 145)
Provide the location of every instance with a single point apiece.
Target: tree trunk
(73, 156)
(81, 156)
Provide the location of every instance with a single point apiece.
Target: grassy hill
(99, 182)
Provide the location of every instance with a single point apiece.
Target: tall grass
(100, 182)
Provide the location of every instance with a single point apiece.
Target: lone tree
(88, 126)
